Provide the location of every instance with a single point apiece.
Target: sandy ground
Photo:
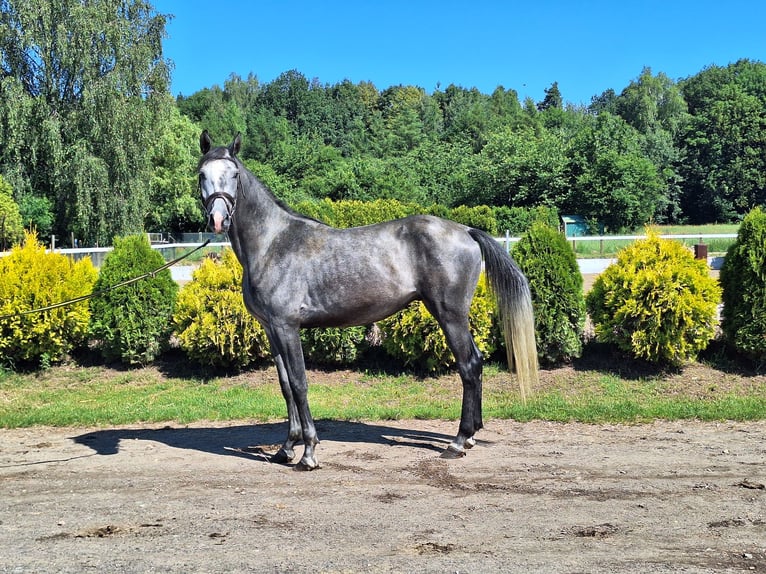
(530, 497)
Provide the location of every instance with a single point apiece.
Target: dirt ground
(530, 497)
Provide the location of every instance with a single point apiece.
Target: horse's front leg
(288, 355)
(294, 433)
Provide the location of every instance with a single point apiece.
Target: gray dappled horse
(299, 272)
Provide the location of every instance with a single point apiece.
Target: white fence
(590, 265)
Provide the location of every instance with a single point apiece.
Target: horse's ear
(236, 144)
(204, 142)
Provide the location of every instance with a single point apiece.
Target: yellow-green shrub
(656, 302)
(11, 229)
(211, 321)
(413, 335)
(30, 279)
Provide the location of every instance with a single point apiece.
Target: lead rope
(106, 289)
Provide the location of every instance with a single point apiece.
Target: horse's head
(219, 182)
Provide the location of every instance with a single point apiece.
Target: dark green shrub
(656, 302)
(547, 259)
(743, 278)
(414, 337)
(211, 321)
(30, 279)
(333, 346)
(132, 324)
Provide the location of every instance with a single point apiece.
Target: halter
(229, 201)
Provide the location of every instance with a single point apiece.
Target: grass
(590, 391)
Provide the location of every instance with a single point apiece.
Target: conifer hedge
(132, 324)
(743, 279)
(548, 261)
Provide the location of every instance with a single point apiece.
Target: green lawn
(100, 396)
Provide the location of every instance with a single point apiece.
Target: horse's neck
(257, 221)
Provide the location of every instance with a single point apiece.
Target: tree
(725, 167)
(548, 261)
(402, 108)
(604, 102)
(174, 198)
(214, 110)
(743, 279)
(82, 84)
(466, 116)
(37, 213)
(654, 106)
(552, 98)
(611, 179)
(520, 168)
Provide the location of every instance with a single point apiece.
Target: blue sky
(587, 47)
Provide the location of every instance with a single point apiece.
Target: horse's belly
(351, 311)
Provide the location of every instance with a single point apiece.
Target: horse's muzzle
(218, 223)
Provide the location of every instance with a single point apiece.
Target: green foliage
(656, 302)
(521, 168)
(743, 279)
(37, 213)
(132, 323)
(174, 153)
(613, 182)
(10, 218)
(211, 321)
(333, 346)
(352, 213)
(30, 279)
(552, 98)
(80, 92)
(519, 220)
(724, 166)
(547, 259)
(414, 336)
(479, 217)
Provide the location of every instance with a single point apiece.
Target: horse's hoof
(452, 452)
(470, 443)
(282, 457)
(307, 465)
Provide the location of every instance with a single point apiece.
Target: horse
(300, 273)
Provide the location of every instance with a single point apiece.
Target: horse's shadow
(259, 441)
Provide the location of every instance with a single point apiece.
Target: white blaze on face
(219, 176)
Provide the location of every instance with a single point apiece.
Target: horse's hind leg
(469, 362)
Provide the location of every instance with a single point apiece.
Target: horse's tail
(514, 301)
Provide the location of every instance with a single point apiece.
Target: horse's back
(359, 275)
